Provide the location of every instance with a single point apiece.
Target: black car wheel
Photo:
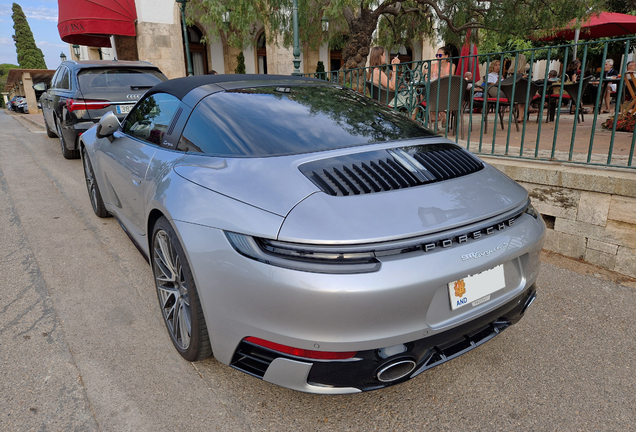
(49, 132)
(68, 154)
(177, 293)
(93, 190)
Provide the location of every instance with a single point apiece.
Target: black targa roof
(179, 87)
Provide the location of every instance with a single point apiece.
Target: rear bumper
(403, 308)
(362, 372)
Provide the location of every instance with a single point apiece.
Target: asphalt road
(83, 346)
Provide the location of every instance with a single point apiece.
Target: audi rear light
(299, 352)
(85, 104)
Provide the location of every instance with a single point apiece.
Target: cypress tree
(29, 55)
(320, 71)
(240, 68)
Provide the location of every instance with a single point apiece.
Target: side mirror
(107, 126)
(39, 86)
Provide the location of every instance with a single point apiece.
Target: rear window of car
(277, 121)
(109, 80)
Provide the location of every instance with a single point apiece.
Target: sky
(42, 18)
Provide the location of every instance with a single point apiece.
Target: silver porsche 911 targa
(310, 236)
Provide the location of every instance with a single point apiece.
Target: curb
(25, 117)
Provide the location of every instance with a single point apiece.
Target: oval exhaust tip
(396, 370)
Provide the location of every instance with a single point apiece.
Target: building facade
(158, 38)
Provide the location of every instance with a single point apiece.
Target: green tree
(399, 21)
(240, 67)
(4, 72)
(29, 55)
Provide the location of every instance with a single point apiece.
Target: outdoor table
(553, 89)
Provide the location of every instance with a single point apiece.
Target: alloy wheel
(90, 182)
(172, 288)
(59, 134)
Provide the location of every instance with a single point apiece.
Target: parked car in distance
(310, 236)
(12, 104)
(81, 92)
(21, 105)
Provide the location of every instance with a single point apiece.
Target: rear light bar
(298, 352)
(85, 104)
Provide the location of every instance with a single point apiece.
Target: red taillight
(85, 104)
(298, 352)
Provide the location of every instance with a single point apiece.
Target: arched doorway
(198, 51)
(261, 53)
(336, 44)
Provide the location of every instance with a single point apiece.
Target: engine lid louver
(386, 170)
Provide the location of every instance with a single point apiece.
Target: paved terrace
(600, 149)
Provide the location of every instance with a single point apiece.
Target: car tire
(177, 293)
(49, 132)
(68, 154)
(93, 190)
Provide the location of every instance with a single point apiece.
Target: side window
(63, 79)
(55, 78)
(150, 118)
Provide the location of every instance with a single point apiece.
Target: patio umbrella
(605, 24)
(468, 63)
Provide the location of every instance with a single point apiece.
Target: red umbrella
(468, 59)
(605, 24)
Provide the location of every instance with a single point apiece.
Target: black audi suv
(82, 92)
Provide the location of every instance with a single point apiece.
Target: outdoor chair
(491, 96)
(439, 91)
(520, 96)
(380, 93)
(630, 88)
(570, 94)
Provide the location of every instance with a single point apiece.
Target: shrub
(240, 67)
(320, 71)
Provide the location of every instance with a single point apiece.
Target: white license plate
(124, 109)
(476, 289)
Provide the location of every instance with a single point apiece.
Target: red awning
(605, 24)
(92, 22)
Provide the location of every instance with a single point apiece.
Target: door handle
(135, 179)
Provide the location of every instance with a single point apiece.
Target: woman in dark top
(574, 70)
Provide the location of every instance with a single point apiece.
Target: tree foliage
(4, 72)
(29, 55)
(399, 22)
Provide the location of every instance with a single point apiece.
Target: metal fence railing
(555, 134)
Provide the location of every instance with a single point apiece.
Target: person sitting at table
(631, 67)
(609, 72)
(493, 72)
(468, 76)
(491, 78)
(375, 74)
(553, 76)
(521, 69)
(573, 71)
(442, 66)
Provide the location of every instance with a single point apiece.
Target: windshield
(277, 121)
(109, 80)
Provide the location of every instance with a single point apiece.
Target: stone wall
(590, 211)
(161, 44)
